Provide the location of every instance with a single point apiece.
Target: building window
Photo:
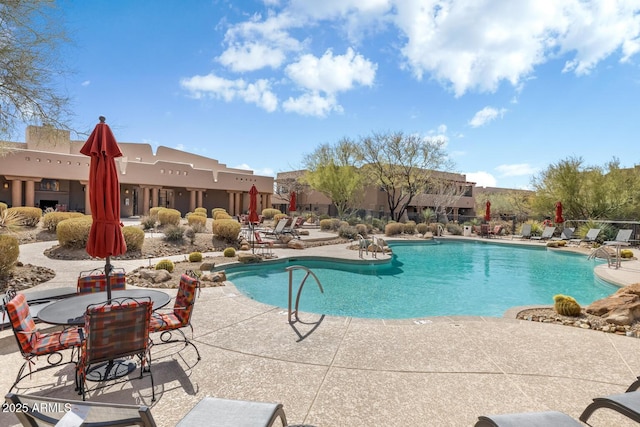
(50, 185)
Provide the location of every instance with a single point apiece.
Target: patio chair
(33, 343)
(115, 329)
(214, 412)
(627, 404)
(547, 233)
(47, 411)
(278, 230)
(622, 237)
(496, 231)
(525, 232)
(566, 234)
(528, 419)
(180, 317)
(266, 248)
(590, 237)
(96, 281)
(292, 228)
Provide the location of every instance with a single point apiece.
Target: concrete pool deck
(335, 371)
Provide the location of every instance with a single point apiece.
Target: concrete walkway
(336, 371)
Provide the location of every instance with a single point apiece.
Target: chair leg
(634, 386)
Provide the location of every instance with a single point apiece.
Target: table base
(111, 370)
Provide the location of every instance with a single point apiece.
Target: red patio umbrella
(559, 219)
(292, 202)
(105, 237)
(253, 213)
(487, 212)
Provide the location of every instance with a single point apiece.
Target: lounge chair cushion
(528, 419)
(214, 412)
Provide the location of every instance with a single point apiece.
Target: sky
(512, 87)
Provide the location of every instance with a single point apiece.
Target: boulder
(156, 276)
(621, 308)
(248, 258)
(296, 244)
(286, 238)
(207, 266)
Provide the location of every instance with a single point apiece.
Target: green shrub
(348, 232)
(133, 237)
(269, 213)
(173, 233)
(197, 219)
(165, 264)
(214, 210)
(30, 216)
(566, 306)
(454, 229)
(221, 215)
(324, 216)
(73, 233)
(326, 224)
(148, 222)
(10, 249)
(50, 220)
(153, 212)
(377, 223)
(168, 216)
(190, 233)
(229, 252)
(409, 227)
(393, 229)
(422, 228)
(195, 257)
(3, 206)
(226, 229)
(201, 211)
(362, 229)
(626, 253)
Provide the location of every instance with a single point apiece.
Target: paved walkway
(336, 371)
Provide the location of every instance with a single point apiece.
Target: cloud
(517, 169)
(258, 92)
(261, 172)
(85, 83)
(251, 56)
(481, 178)
(331, 74)
(486, 115)
(312, 104)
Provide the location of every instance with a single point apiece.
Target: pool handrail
(309, 272)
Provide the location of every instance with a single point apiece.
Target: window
(50, 185)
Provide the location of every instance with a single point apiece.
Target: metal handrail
(309, 272)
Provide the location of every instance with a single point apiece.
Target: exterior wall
(49, 169)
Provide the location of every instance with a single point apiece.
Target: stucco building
(47, 170)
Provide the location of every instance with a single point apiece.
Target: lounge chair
(628, 404)
(278, 229)
(622, 237)
(547, 233)
(266, 248)
(214, 412)
(590, 237)
(496, 231)
(566, 234)
(525, 232)
(528, 419)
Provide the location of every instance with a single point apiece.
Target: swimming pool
(430, 279)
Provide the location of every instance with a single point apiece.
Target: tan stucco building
(48, 171)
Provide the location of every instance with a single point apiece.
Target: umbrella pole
(107, 273)
(251, 238)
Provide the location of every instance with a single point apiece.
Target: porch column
(29, 193)
(232, 202)
(192, 200)
(16, 193)
(199, 197)
(154, 197)
(145, 200)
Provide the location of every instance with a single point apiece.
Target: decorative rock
(245, 247)
(303, 232)
(296, 244)
(286, 238)
(207, 266)
(428, 235)
(621, 308)
(156, 276)
(248, 258)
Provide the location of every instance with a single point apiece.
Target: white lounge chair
(547, 233)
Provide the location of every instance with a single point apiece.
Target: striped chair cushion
(98, 283)
(182, 308)
(163, 322)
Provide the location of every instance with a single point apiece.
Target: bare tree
(444, 193)
(30, 36)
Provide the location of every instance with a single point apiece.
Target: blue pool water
(447, 278)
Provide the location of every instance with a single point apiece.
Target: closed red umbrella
(292, 202)
(559, 219)
(253, 205)
(487, 212)
(105, 237)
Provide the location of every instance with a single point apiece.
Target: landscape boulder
(621, 308)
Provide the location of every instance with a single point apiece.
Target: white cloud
(330, 73)
(312, 104)
(481, 178)
(85, 83)
(251, 56)
(517, 169)
(180, 147)
(258, 93)
(260, 172)
(486, 115)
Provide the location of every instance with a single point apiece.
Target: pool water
(430, 279)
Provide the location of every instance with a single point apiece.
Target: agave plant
(10, 221)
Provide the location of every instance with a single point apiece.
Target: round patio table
(70, 311)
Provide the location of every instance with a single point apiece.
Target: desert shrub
(199, 227)
(347, 231)
(168, 216)
(269, 213)
(148, 222)
(409, 227)
(190, 233)
(325, 224)
(353, 220)
(153, 212)
(221, 215)
(30, 216)
(422, 228)
(278, 217)
(73, 233)
(214, 210)
(10, 249)
(362, 229)
(377, 223)
(197, 219)
(310, 217)
(226, 229)
(173, 233)
(324, 216)
(338, 223)
(201, 211)
(50, 220)
(229, 252)
(195, 257)
(3, 206)
(165, 264)
(454, 229)
(133, 237)
(393, 229)
(566, 306)
(626, 253)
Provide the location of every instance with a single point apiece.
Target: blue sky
(511, 86)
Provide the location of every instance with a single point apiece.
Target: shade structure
(559, 219)
(292, 202)
(253, 205)
(487, 211)
(105, 238)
